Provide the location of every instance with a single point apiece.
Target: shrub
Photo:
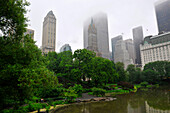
(126, 85)
(98, 91)
(70, 95)
(58, 102)
(78, 89)
(144, 84)
(86, 90)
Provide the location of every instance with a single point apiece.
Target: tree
(12, 19)
(120, 70)
(23, 68)
(159, 67)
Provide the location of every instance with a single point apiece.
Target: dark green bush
(144, 84)
(98, 91)
(126, 85)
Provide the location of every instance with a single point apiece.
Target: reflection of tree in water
(159, 98)
(136, 103)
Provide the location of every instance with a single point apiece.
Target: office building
(101, 25)
(137, 40)
(49, 33)
(162, 9)
(130, 48)
(92, 38)
(155, 48)
(113, 41)
(65, 47)
(30, 32)
(121, 54)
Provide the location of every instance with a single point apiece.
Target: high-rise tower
(162, 8)
(101, 25)
(137, 39)
(113, 41)
(49, 33)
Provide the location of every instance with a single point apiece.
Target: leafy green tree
(151, 76)
(82, 58)
(23, 68)
(120, 70)
(159, 67)
(12, 19)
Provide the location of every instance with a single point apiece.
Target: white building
(49, 33)
(155, 48)
(121, 54)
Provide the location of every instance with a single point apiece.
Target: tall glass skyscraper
(101, 24)
(49, 33)
(162, 8)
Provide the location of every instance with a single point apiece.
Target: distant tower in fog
(49, 33)
(137, 39)
(101, 26)
(162, 9)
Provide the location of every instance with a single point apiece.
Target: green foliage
(162, 68)
(78, 89)
(12, 19)
(144, 84)
(70, 95)
(98, 91)
(125, 85)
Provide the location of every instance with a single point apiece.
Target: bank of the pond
(90, 97)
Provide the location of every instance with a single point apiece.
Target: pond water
(150, 101)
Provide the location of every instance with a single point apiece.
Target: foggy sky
(123, 16)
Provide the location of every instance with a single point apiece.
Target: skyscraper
(162, 9)
(130, 48)
(65, 47)
(92, 37)
(113, 41)
(137, 39)
(101, 25)
(121, 54)
(49, 33)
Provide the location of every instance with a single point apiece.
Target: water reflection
(151, 101)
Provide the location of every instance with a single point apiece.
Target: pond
(150, 101)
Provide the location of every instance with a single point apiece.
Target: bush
(58, 102)
(98, 91)
(144, 84)
(86, 90)
(78, 90)
(70, 95)
(126, 85)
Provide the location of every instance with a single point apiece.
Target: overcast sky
(123, 16)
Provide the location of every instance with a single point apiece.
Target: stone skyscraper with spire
(49, 33)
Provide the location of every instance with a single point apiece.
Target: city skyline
(123, 16)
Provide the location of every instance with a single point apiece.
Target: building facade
(113, 41)
(49, 33)
(101, 24)
(121, 54)
(30, 32)
(155, 48)
(65, 47)
(162, 9)
(137, 40)
(130, 48)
